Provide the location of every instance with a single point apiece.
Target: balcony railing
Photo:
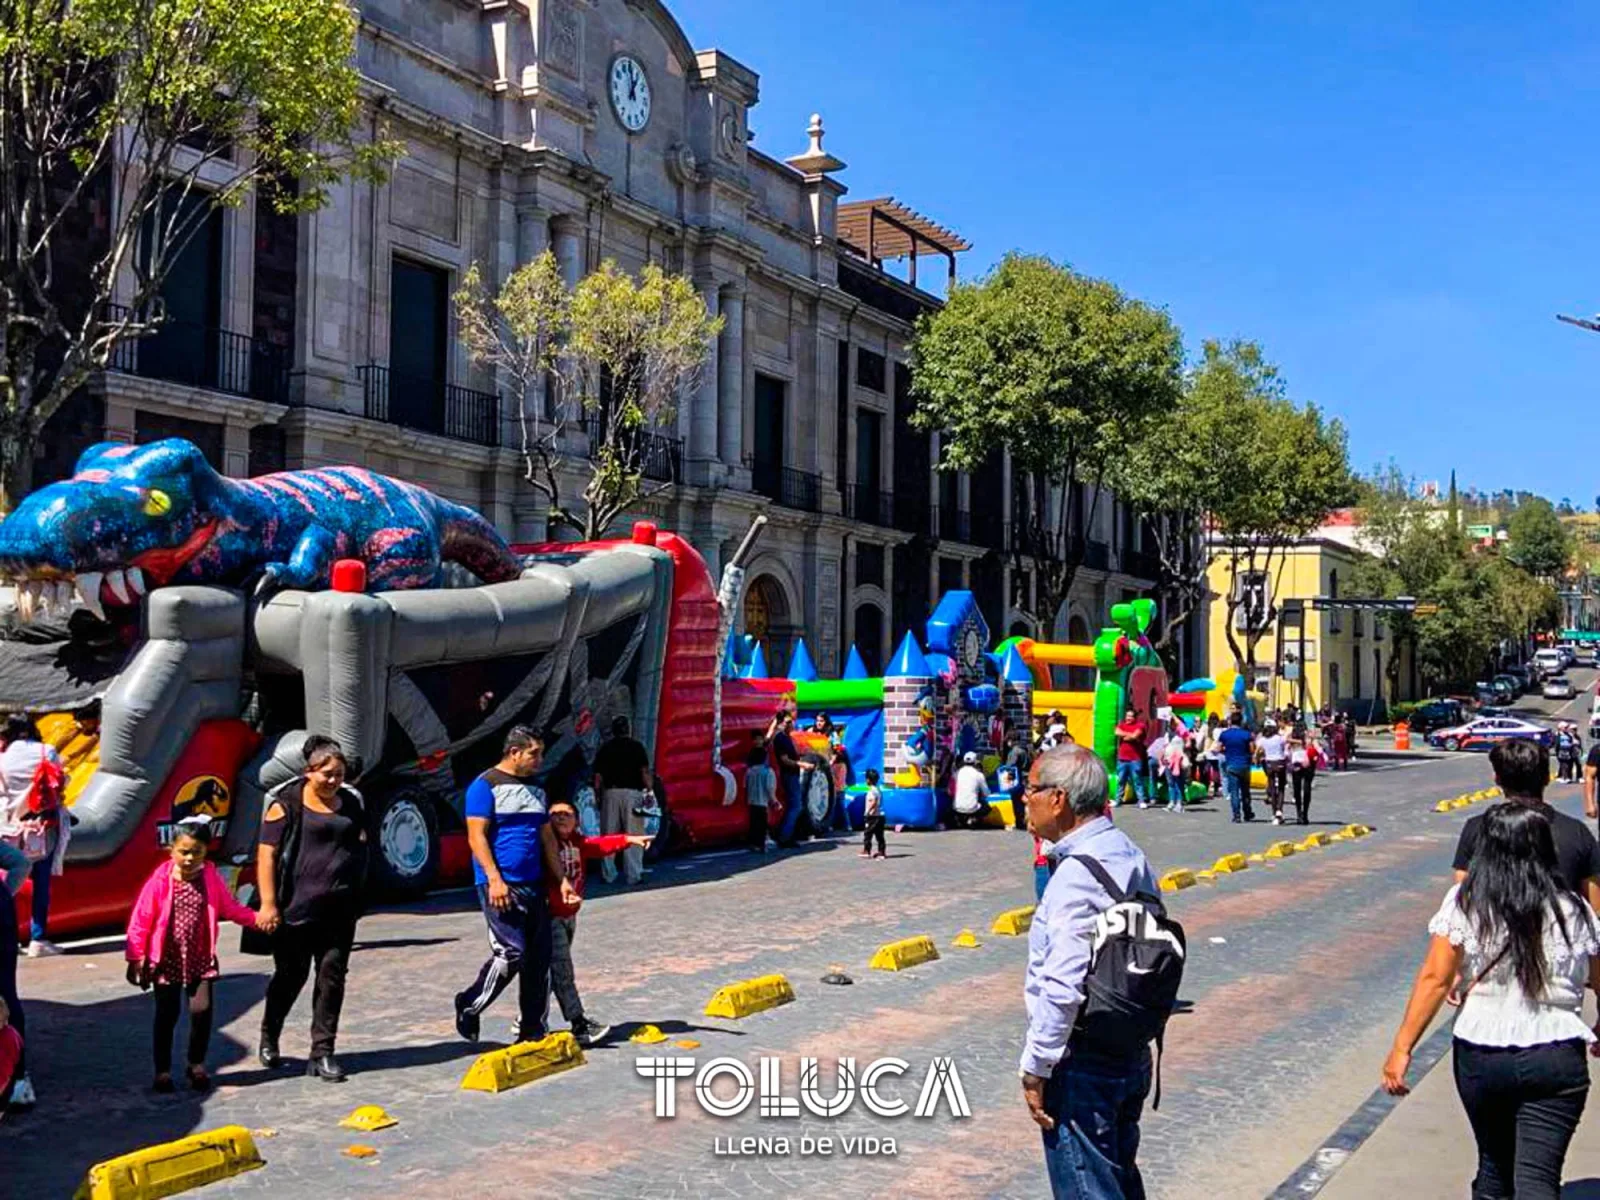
(788, 487)
(1025, 539)
(659, 457)
(1141, 563)
(199, 356)
(430, 405)
(913, 513)
(955, 524)
(872, 505)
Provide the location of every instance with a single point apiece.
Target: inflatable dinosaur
(133, 518)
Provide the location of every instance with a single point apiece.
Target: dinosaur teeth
(119, 587)
(89, 593)
(136, 581)
(25, 602)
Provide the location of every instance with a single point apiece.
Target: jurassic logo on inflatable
(202, 796)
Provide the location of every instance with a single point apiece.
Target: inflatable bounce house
(949, 695)
(217, 621)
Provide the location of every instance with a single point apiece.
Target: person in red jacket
(172, 945)
(572, 848)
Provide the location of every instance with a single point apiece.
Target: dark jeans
(519, 948)
(1301, 778)
(1277, 779)
(1096, 1105)
(757, 837)
(1237, 781)
(872, 827)
(40, 874)
(563, 979)
(793, 801)
(169, 1000)
(295, 948)
(8, 983)
(1524, 1104)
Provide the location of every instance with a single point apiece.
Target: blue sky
(1394, 198)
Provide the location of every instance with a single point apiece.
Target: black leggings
(8, 982)
(1300, 779)
(326, 943)
(871, 828)
(1524, 1104)
(169, 999)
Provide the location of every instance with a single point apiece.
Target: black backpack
(1135, 971)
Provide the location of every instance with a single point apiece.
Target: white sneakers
(39, 948)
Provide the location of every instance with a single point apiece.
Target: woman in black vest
(311, 866)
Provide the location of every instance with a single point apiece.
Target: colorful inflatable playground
(215, 622)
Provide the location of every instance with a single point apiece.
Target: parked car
(1483, 732)
(1552, 658)
(1558, 687)
(1495, 691)
(1436, 714)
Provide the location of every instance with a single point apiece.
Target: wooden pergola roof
(885, 228)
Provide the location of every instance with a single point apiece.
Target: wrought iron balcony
(913, 513)
(872, 505)
(430, 405)
(955, 524)
(659, 457)
(203, 357)
(788, 487)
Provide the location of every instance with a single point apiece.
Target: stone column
(698, 426)
(533, 233)
(566, 237)
(730, 381)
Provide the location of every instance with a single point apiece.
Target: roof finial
(816, 160)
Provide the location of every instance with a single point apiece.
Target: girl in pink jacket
(172, 946)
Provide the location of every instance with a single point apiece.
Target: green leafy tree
(616, 352)
(1063, 371)
(147, 113)
(1285, 468)
(1536, 540)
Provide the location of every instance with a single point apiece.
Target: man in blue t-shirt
(512, 848)
(1237, 746)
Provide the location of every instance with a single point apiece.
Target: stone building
(595, 129)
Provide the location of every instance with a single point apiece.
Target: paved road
(1297, 974)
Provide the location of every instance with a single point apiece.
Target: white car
(1484, 732)
(1558, 687)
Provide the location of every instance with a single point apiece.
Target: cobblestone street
(1297, 973)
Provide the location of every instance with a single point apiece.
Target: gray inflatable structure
(575, 641)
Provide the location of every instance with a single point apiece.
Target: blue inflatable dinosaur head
(128, 519)
(133, 518)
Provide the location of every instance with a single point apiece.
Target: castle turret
(801, 668)
(1016, 694)
(907, 680)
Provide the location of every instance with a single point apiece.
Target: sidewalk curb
(1311, 1176)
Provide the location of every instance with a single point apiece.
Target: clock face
(630, 93)
(971, 648)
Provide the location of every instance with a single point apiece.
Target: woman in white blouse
(1519, 946)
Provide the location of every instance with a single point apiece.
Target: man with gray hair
(1087, 1102)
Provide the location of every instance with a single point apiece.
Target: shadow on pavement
(86, 1117)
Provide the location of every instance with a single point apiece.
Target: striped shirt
(516, 811)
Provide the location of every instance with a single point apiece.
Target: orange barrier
(1056, 654)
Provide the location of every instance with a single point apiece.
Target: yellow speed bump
(1279, 850)
(1178, 879)
(967, 940)
(750, 996)
(1444, 806)
(1229, 863)
(647, 1035)
(173, 1167)
(1255, 858)
(367, 1118)
(502, 1070)
(1206, 876)
(1357, 830)
(1014, 922)
(1313, 841)
(908, 952)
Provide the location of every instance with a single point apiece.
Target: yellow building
(1347, 651)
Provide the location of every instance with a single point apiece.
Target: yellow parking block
(1279, 850)
(173, 1167)
(1313, 841)
(1206, 876)
(367, 1118)
(750, 996)
(1014, 922)
(501, 1070)
(908, 952)
(1357, 830)
(1177, 880)
(1443, 806)
(1255, 858)
(966, 940)
(1230, 863)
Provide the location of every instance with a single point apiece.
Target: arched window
(869, 637)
